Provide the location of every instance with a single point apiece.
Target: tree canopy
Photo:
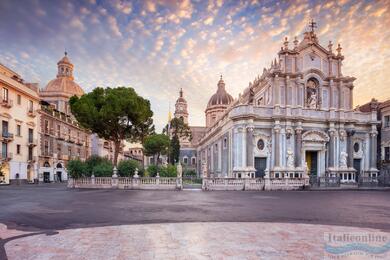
(113, 114)
(156, 144)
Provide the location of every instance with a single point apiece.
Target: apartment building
(19, 128)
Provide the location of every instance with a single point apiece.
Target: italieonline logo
(365, 244)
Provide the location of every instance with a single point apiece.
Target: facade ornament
(343, 159)
(285, 43)
(295, 42)
(330, 45)
(251, 96)
(339, 50)
(290, 159)
(312, 94)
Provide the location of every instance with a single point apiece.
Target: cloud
(77, 24)
(208, 21)
(113, 25)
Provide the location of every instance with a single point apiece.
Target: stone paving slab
(202, 240)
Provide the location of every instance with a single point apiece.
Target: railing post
(179, 183)
(93, 181)
(135, 180)
(158, 179)
(114, 181)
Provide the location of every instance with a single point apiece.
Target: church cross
(312, 25)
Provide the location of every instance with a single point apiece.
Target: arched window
(46, 164)
(59, 165)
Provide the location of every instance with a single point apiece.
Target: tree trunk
(117, 145)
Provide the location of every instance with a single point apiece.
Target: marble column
(277, 146)
(373, 150)
(350, 134)
(298, 147)
(332, 148)
(249, 147)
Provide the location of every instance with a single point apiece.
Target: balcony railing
(7, 136)
(46, 153)
(31, 112)
(32, 142)
(32, 159)
(7, 103)
(48, 131)
(5, 156)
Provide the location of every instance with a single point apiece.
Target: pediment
(315, 136)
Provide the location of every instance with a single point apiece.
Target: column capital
(250, 128)
(332, 132)
(350, 132)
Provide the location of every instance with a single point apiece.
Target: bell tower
(65, 67)
(181, 108)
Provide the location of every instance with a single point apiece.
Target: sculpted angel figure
(343, 159)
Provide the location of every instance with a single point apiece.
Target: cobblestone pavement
(52, 222)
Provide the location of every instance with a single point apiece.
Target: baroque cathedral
(295, 120)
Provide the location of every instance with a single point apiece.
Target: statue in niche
(251, 95)
(311, 94)
(290, 159)
(343, 159)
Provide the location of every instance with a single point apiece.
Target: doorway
(357, 167)
(312, 162)
(260, 166)
(59, 176)
(46, 177)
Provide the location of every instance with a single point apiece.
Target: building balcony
(7, 103)
(32, 142)
(32, 159)
(7, 136)
(71, 139)
(46, 154)
(31, 112)
(60, 136)
(5, 156)
(48, 131)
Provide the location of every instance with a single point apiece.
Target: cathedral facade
(295, 120)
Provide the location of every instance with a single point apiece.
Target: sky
(158, 47)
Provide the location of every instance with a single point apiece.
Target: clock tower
(181, 108)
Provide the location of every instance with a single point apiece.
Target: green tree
(174, 149)
(141, 131)
(111, 113)
(156, 144)
(77, 169)
(126, 168)
(103, 169)
(177, 129)
(94, 161)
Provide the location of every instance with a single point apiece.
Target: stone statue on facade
(343, 159)
(312, 99)
(290, 159)
(251, 96)
(179, 170)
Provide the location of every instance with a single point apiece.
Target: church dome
(221, 97)
(64, 83)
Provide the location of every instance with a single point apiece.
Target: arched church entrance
(314, 151)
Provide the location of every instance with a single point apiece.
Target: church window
(260, 144)
(46, 164)
(356, 147)
(386, 121)
(387, 153)
(185, 160)
(193, 160)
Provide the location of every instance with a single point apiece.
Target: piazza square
(130, 131)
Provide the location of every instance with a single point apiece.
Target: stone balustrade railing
(254, 184)
(136, 183)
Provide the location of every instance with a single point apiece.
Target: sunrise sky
(158, 47)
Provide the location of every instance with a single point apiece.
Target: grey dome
(221, 97)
